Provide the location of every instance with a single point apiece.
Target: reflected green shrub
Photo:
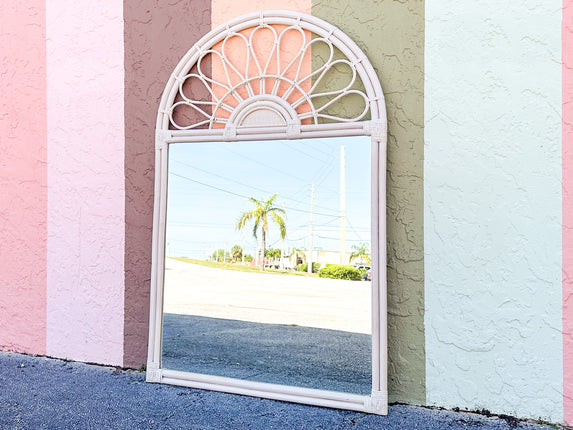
(339, 271)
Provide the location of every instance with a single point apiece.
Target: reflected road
(192, 289)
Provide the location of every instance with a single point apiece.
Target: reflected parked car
(368, 275)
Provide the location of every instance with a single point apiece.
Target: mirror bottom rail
(377, 403)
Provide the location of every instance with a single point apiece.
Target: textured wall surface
(567, 58)
(225, 10)
(85, 181)
(391, 34)
(157, 35)
(23, 199)
(492, 218)
(237, 54)
(76, 195)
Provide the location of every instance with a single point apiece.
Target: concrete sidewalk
(43, 393)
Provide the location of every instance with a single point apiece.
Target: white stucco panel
(86, 181)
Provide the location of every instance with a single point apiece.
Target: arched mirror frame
(258, 109)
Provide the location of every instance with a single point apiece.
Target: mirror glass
(243, 221)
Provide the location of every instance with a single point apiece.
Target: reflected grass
(241, 268)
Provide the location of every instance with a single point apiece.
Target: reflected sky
(210, 183)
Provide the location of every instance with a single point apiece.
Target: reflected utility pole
(342, 208)
(283, 249)
(310, 232)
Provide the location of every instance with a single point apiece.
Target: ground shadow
(274, 353)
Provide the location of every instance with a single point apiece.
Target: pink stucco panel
(86, 190)
(225, 10)
(23, 198)
(567, 32)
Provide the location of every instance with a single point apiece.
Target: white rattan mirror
(266, 85)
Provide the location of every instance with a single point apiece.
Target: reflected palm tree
(361, 252)
(264, 209)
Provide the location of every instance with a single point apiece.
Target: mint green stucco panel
(492, 219)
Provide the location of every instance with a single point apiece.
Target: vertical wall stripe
(23, 202)
(492, 182)
(567, 58)
(391, 34)
(157, 35)
(225, 10)
(86, 203)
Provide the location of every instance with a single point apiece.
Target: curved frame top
(327, 32)
(250, 121)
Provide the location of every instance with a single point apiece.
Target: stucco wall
(80, 85)
(225, 10)
(236, 49)
(85, 181)
(492, 187)
(23, 198)
(157, 35)
(391, 34)
(567, 151)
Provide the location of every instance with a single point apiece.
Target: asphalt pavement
(45, 393)
(275, 353)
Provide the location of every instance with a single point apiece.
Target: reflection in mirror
(244, 219)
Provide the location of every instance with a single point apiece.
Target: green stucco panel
(391, 34)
